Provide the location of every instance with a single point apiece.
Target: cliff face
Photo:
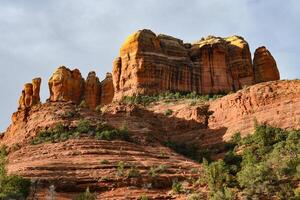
(149, 64)
(275, 103)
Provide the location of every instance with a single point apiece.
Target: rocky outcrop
(275, 103)
(30, 94)
(265, 67)
(107, 89)
(66, 85)
(150, 64)
(92, 90)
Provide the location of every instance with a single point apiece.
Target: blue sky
(37, 36)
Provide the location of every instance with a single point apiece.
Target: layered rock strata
(150, 64)
(275, 103)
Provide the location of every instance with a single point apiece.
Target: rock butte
(150, 64)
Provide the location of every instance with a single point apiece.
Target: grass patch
(154, 171)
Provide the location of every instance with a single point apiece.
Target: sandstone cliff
(150, 64)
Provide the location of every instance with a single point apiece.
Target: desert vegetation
(145, 100)
(264, 165)
(11, 186)
(87, 195)
(62, 133)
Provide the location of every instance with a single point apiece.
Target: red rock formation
(92, 90)
(265, 67)
(240, 63)
(107, 89)
(150, 64)
(30, 94)
(66, 85)
(74, 164)
(276, 103)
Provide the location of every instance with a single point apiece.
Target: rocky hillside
(126, 137)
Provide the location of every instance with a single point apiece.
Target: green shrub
(190, 151)
(145, 100)
(61, 133)
(177, 187)
(268, 166)
(98, 109)
(121, 168)
(83, 126)
(87, 195)
(155, 170)
(133, 172)
(11, 187)
(168, 112)
(144, 197)
(113, 135)
(68, 114)
(216, 176)
(196, 196)
(83, 104)
(104, 162)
